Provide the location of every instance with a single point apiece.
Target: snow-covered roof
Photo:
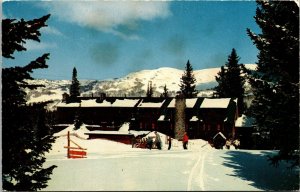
(107, 133)
(125, 103)
(189, 103)
(93, 103)
(221, 134)
(172, 104)
(105, 103)
(244, 121)
(62, 104)
(215, 103)
(161, 118)
(194, 118)
(137, 133)
(151, 104)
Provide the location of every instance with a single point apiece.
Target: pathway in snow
(198, 167)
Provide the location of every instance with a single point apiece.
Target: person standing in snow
(170, 142)
(185, 140)
(157, 140)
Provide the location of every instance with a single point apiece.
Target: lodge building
(204, 117)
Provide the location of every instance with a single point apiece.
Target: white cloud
(33, 45)
(51, 30)
(106, 16)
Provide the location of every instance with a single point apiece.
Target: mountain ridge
(133, 84)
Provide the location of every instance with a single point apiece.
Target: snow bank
(95, 147)
(78, 133)
(124, 127)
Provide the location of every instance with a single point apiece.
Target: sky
(110, 39)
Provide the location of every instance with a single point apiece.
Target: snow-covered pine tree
(75, 86)
(276, 82)
(230, 80)
(26, 136)
(188, 82)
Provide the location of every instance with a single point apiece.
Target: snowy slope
(115, 166)
(134, 84)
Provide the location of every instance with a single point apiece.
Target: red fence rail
(75, 152)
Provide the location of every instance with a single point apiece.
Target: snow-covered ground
(115, 166)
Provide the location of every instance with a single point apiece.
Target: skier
(185, 140)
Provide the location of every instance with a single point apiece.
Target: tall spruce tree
(26, 136)
(230, 81)
(75, 86)
(276, 82)
(188, 82)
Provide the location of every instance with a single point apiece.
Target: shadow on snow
(257, 169)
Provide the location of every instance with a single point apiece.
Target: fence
(75, 152)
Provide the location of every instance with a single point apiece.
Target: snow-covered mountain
(134, 84)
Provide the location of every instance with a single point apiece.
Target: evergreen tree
(230, 81)
(188, 82)
(149, 90)
(276, 82)
(165, 94)
(75, 86)
(25, 131)
(222, 83)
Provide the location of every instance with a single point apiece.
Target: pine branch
(14, 34)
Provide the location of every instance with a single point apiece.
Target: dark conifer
(165, 93)
(188, 82)
(276, 82)
(75, 86)
(25, 131)
(230, 81)
(149, 90)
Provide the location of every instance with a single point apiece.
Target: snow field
(115, 166)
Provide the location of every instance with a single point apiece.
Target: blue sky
(110, 39)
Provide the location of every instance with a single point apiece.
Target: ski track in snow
(201, 159)
(202, 170)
